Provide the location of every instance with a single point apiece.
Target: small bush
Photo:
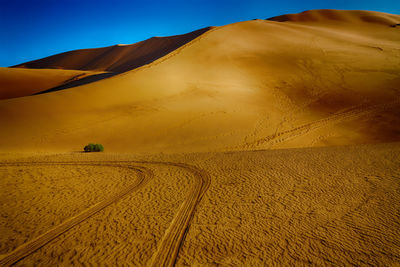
(94, 148)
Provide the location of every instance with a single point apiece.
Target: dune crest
(104, 62)
(117, 58)
(340, 16)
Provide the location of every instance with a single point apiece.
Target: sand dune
(116, 58)
(221, 102)
(103, 62)
(24, 82)
(342, 16)
(231, 88)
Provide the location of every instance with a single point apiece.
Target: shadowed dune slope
(104, 62)
(107, 61)
(116, 58)
(20, 82)
(258, 84)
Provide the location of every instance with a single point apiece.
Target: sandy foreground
(332, 205)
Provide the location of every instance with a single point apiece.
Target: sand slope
(249, 85)
(334, 17)
(20, 82)
(103, 62)
(116, 58)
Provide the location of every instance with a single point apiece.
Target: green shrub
(94, 148)
(98, 148)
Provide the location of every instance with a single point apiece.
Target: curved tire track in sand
(144, 175)
(168, 249)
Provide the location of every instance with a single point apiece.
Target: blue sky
(32, 29)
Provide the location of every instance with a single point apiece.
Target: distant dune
(20, 82)
(318, 78)
(116, 58)
(338, 16)
(105, 61)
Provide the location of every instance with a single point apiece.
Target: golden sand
(319, 206)
(194, 171)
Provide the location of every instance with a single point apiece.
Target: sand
(264, 142)
(117, 58)
(318, 206)
(235, 87)
(79, 67)
(20, 82)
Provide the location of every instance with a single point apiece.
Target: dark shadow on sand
(134, 56)
(86, 80)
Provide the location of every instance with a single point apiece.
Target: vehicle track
(144, 175)
(301, 130)
(167, 250)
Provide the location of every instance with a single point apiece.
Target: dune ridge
(340, 16)
(117, 58)
(103, 62)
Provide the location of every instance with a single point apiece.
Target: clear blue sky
(32, 29)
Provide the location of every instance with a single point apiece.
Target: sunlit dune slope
(335, 16)
(116, 58)
(249, 85)
(17, 82)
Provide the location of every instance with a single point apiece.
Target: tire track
(168, 249)
(144, 175)
(287, 135)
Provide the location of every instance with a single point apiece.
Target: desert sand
(333, 205)
(263, 142)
